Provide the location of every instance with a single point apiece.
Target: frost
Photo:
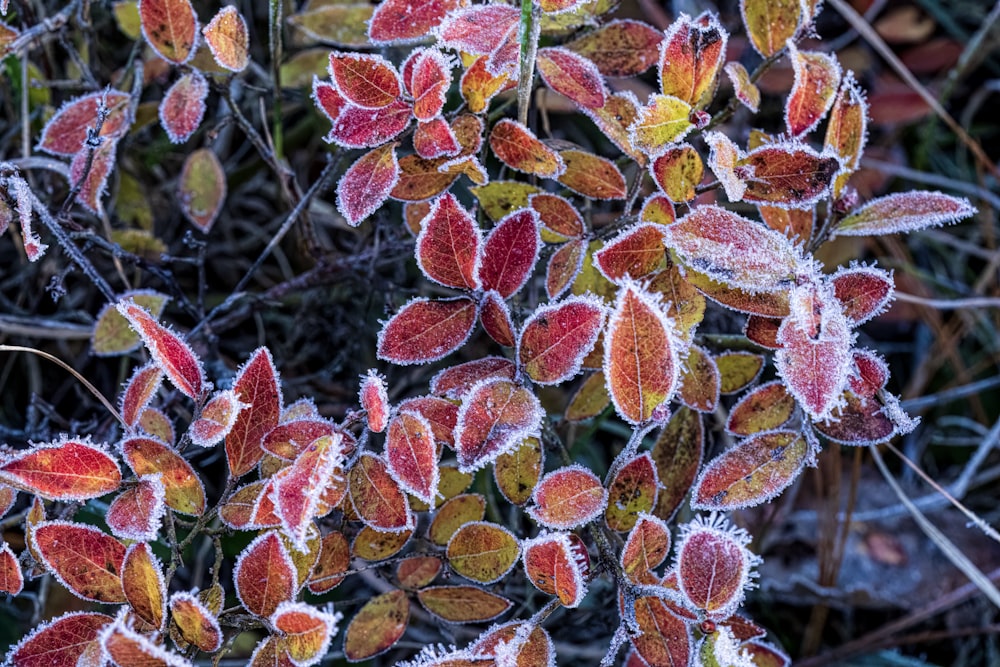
(448, 245)
(905, 212)
(33, 246)
(485, 430)
(183, 106)
(150, 515)
(865, 291)
(136, 644)
(571, 560)
(727, 651)
(414, 470)
(568, 330)
(722, 161)
(414, 335)
(374, 399)
(568, 497)
(205, 616)
(817, 78)
(455, 382)
(366, 185)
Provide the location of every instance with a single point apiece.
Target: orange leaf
(640, 356)
(226, 35)
(646, 547)
(622, 47)
(377, 626)
(847, 131)
(426, 330)
(678, 171)
(564, 266)
(374, 401)
(306, 631)
(216, 420)
(123, 645)
(462, 604)
(144, 586)
(568, 497)
(84, 560)
(479, 86)
(334, 560)
(195, 623)
(636, 252)
(792, 175)
(264, 575)
(817, 76)
(170, 27)
(63, 470)
(557, 564)
(139, 391)
(11, 578)
(495, 416)
(556, 338)
(184, 490)
(66, 641)
(377, 497)
(700, 381)
(256, 385)
(572, 75)
(691, 55)
(417, 571)
(664, 639)
(412, 456)
(368, 81)
(177, 360)
(517, 147)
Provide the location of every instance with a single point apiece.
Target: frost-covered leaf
(664, 120)
(557, 564)
(870, 374)
(536, 650)
(592, 176)
(201, 188)
(905, 212)
(635, 253)
(183, 106)
(196, 624)
(792, 175)
(434, 138)
(227, 37)
(556, 214)
(144, 585)
(183, 490)
(359, 127)
(665, 638)
(817, 77)
(495, 416)
(770, 23)
(678, 171)
(257, 385)
(122, 644)
(375, 545)
(751, 472)
(864, 292)
(691, 54)
(63, 470)
(89, 172)
(66, 133)
(479, 29)
(483, 551)
(517, 472)
(847, 130)
(568, 497)
(640, 356)
(66, 641)
(377, 497)
(377, 626)
(556, 338)
(411, 454)
(374, 400)
(403, 21)
(646, 547)
(424, 330)
(510, 252)
(631, 492)
(343, 24)
(700, 381)
(614, 119)
(456, 381)
(112, 334)
(177, 360)
(573, 75)
(366, 185)
(216, 420)
(428, 82)
(859, 422)
(766, 408)
(734, 250)
(763, 331)
(494, 314)
(305, 631)
(11, 577)
(621, 48)
(170, 27)
(738, 369)
(479, 86)
(136, 514)
(564, 266)
(455, 513)
(746, 90)
(590, 399)
(713, 565)
(448, 246)
(264, 575)
(288, 439)
(298, 489)
(518, 147)
(85, 560)
(678, 454)
(462, 604)
(417, 571)
(334, 559)
(367, 81)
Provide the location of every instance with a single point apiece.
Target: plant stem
(527, 34)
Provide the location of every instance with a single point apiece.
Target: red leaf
(621, 48)
(864, 292)
(227, 37)
(815, 358)
(817, 76)
(752, 472)
(556, 214)
(480, 29)
(442, 415)
(905, 212)
(177, 360)
(11, 579)
(691, 54)
(510, 252)
(632, 492)
(568, 497)
(66, 132)
(8, 497)
(448, 245)
(646, 547)
(640, 357)
(429, 83)
(456, 381)
(328, 99)
(535, 651)
(425, 330)
(495, 317)
(518, 148)
(374, 401)
(170, 27)
(665, 638)
(358, 127)
(713, 566)
(216, 420)
(288, 439)
(791, 175)
(123, 645)
(305, 631)
(92, 188)
(735, 251)
(592, 176)
(402, 21)
(555, 566)
(847, 131)
(365, 80)
(435, 138)
(183, 106)
(871, 373)
(564, 266)
(137, 513)
(376, 496)
(636, 252)
(144, 585)
(256, 385)
(299, 488)
(139, 391)
(67, 641)
(412, 456)
(496, 415)
(183, 488)
(556, 338)
(366, 185)
(62, 470)
(572, 75)
(264, 575)
(84, 560)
